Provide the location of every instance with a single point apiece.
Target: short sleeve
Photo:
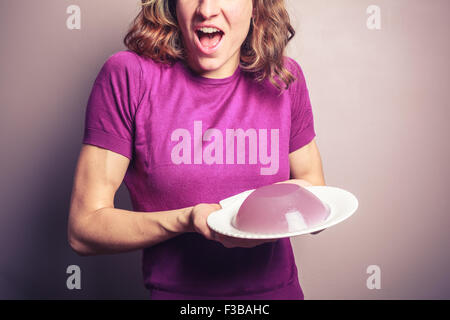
(112, 104)
(302, 120)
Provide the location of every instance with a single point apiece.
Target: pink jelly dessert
(280, 208)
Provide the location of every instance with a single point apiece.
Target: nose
(208, 8)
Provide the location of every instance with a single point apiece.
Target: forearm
(112, 230)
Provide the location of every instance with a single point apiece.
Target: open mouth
(209, 40)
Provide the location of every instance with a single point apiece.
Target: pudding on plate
(280, 208)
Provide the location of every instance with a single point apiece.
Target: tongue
(210, 40)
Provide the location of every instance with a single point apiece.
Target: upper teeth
(208, 30)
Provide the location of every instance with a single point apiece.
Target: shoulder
(294, 67)
(131, 61)
(129, 64)
(298, 87)
(123, 61)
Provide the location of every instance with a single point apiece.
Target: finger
(209, 233)
(316, 232)
(226, 243)
(215, 206)
(229, 242)
(219, 238)
(243, 242)
(200, 223)
(205, 230)
(246, 243)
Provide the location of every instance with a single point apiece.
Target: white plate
(341, 202)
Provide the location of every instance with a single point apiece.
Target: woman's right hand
(199, 215)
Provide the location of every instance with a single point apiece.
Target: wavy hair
(154, 33)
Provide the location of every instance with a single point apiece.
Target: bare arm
(96, 227)
(306, 164)
(306, 167)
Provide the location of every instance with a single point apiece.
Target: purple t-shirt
(191, 140)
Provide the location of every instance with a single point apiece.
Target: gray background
(381, 105)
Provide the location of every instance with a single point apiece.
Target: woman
(202, 106)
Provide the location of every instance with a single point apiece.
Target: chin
(209, 63)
